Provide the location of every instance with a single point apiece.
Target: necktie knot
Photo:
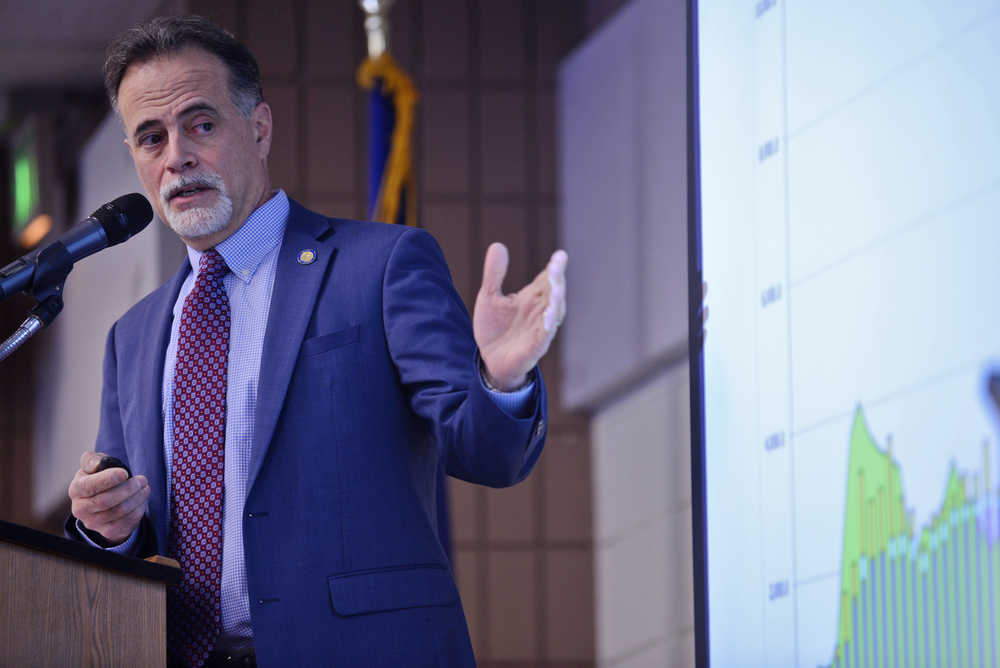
(212, 266)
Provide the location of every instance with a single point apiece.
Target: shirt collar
(247, 247)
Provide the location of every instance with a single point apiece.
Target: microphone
(110, 224)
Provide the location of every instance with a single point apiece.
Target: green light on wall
(25, 188)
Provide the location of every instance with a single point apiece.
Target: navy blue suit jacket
(369, 375)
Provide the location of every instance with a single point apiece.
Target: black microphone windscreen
(124, 217)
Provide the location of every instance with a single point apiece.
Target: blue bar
(927, 632)
(907, 611)
(937, 608)
(962, 645)
(854, 617)
(990, 545)
(970, 617)
(872, 619)
(865, 623)
(895, 613)
(883, 610)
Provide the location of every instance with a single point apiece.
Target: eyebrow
(194, 108)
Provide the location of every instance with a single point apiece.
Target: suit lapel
(150, 454)
(296, 287)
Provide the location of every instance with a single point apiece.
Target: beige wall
(622, 111)
(642, 525)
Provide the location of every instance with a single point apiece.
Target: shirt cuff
(517, 404)
(128, 547)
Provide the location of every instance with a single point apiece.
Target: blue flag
(391, 103)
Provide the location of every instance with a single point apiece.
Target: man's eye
(152, 139)
(207, 126)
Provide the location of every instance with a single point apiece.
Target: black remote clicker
(109, 462)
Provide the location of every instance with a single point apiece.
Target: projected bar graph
(913, 597)
(848, 187)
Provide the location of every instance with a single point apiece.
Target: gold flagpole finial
(377, 25)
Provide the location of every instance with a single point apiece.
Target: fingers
(494, 268)
(118, 495)
(111, 494)
(116, 512)
(108, 502)
(87, 485)
(555, 311)
(89, 461)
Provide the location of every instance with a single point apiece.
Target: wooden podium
(64, 603)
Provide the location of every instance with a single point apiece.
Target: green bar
(23, 190)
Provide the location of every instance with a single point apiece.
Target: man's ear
(261, 122)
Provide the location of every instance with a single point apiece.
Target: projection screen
(846, 219)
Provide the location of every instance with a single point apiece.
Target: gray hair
(166, 35)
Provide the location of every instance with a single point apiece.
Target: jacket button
(540, 428)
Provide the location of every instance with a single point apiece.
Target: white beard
(199, 221)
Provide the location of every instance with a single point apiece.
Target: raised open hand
(514, 331)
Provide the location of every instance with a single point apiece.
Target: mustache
(202, 180)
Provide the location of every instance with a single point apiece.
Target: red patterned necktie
(194, 608)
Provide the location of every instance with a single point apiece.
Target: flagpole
(377, 25)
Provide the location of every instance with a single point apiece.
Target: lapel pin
(307, 256)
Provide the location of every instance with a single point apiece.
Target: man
(285, 399)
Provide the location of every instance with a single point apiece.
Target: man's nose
(180, 154)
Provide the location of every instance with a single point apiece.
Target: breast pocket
(324, 342)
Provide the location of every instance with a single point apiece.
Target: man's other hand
(514, 331)
(107, 502)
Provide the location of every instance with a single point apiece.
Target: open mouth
(188, 192)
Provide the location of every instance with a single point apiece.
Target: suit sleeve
(111, 441)
(431, 343)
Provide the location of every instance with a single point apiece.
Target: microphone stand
(52, 266)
